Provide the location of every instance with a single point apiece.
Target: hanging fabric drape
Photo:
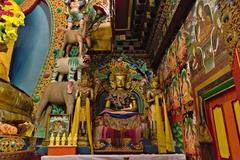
(160, 129)
(89, 126)
(168, 132)
(75, 125)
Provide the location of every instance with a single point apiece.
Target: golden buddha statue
(120, 98)
(119, 118)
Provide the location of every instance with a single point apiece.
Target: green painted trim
(50, 49)
(218, 89)
(19, 1)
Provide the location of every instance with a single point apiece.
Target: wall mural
(205, 31)
(197, 49)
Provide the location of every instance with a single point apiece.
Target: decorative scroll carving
(230, 19)
(11, 144)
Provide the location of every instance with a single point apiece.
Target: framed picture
(58, 123)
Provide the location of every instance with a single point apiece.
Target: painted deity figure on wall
(190, 136)
(186, 97)
(206, 31)
(172, 58)
(189, 117)
(165, 68)
(181, 48)
(195, 60)
(174, 98)
(175, 90)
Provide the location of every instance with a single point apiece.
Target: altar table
(118, 157)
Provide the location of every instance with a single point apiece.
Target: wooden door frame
(212, 125)
(214, 83)
(218, 89)
(220, 79)
(204, 87)
(235, 118)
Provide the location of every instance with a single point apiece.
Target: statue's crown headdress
(155, 79)
(84, 77)
(118, 68)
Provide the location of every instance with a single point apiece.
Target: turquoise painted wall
(31, 49)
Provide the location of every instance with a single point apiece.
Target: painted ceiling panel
(122, 14)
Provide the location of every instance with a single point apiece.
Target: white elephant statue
(70, 65)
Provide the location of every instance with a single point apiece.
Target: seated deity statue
(120, 122)
(120, 98)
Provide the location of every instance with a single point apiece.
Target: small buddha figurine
(119, 98)
(63, 139)
(51, 143)
(57, 140)
(69, 139)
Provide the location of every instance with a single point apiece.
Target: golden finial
(63, 139)
(75, 139)
(70, 139)
(51, 143)
(58, 139)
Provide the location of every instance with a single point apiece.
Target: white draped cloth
(118, 157)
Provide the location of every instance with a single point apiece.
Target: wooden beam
(178, 19)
